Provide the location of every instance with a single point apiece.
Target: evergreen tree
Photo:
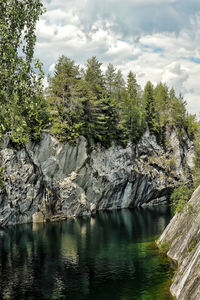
(161, 102)
(149, 104)
(119, 89)
(102, 106)
(177, 112)
(94, 76)
(172, 93)
(64, 106)
(92, 115)
(104, 109)
(132, 86)
(131, 112)
(65, 77)
(110, 76)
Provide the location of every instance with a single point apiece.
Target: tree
(119, 87)
(161, 102)
(76, 104)
(102, 112)
(131, 111)
(177, 112)
(149, 104)
(110, 76)
(94, 76)
(65, 77)
(65, 105)
(132, 86)
(21, 101)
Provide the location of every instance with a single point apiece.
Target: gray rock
(182, 236)
(53, 180)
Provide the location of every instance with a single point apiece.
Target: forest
(105, 108)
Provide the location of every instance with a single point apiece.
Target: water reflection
(108, 255)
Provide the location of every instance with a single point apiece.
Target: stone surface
(52, 180)
(182, 236)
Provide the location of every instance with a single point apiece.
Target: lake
(111, 256)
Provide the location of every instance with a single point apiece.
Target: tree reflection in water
(109, 255)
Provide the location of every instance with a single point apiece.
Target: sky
(158, 40)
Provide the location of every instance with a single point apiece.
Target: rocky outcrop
(182, 240)
(52, 180)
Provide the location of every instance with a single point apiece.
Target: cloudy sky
(159, 40)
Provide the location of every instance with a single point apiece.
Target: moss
(192, 244)
(164, 247)
(167, 142)
(1, 177)
(170, 165)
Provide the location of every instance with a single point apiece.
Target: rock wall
(53, 181)
(182, 237)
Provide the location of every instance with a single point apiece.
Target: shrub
(164, 247)
(180, 197)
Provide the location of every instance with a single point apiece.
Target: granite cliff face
(53, 181)
(182, 237)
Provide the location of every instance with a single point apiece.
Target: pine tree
(101, 105)
(162, 110)
(132, 86)
(65, 108)
(65, 77)
(131, 111)
(110, 76)
(119, 86)
(149, 104)
(94, 76)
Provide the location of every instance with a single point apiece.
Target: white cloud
(59, 16)
(45, 82)
(150, 2)
(175, 76)
(65, 34)
(155, 39)
(122, 49)
(52, 68)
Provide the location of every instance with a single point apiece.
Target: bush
(180, 198)
(164, 247)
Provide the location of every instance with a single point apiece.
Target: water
(109, 256)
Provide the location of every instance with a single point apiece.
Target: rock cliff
(53, 181)
(182, 238)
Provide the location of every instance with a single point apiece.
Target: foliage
(164, 247)
(196, 168)
(110, 77)
(106, 108)
(182, 194)
(170, 165)
(180, 198)
(94, 76)
(101, 106)
(78, 107)
(193, 244)
(1, 177)
(131, 113)
(22, 103)
(150, 111)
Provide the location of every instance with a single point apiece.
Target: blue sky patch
(196, 60)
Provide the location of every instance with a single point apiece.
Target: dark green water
(108, 256)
